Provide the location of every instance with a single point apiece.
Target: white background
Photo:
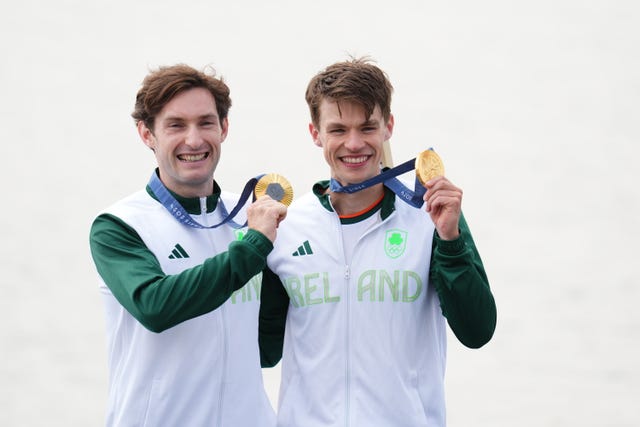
(532, 105)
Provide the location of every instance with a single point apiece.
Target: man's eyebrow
(209, 116)
(173, 118)
(334, 125)
(182, 118)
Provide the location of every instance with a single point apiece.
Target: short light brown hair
(356, 80)
(161, 86)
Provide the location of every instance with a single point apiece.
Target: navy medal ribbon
(388, 178)
(175, 208)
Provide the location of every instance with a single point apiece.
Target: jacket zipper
(223, 316)
(347, 388)
(347, 333)
(347, 280)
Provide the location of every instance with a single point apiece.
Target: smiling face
(186, 140)
(351, 142)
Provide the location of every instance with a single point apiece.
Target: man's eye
(175, 125)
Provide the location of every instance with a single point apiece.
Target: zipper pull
(347, 272)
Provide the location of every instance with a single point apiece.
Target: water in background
(533, 107)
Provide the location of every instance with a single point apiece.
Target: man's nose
(354, 141)
(193, 138)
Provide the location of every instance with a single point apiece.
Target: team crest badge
(240, 233)
(395, 242)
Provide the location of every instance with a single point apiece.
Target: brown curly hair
(356, 80)
(161, 86)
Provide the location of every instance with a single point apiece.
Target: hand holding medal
(276, 186)
(443, 199)
(427, 165)
(266, 213)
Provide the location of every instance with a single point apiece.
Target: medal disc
(428, 166)
(275, 186)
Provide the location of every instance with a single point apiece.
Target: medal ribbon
(388, 177)
(175, 208)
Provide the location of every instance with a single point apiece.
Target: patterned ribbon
(175, 208)
(388, 178)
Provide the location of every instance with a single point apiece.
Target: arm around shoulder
(274, 304)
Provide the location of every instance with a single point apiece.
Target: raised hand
(444, 203)
(264, 215)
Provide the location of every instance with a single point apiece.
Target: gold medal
(275, 186)
(428, 166)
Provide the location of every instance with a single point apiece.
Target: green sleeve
(159, 301)
(463, 288)
(274, 303)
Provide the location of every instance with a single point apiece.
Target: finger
(444, 201)
(441, 184)
(434, 181)
(443, 195)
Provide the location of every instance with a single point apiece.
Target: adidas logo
(304, 249)
(178, 252)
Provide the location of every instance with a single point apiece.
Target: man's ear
(389, 128)
(314, 135)
(146, 135)
(225, 128)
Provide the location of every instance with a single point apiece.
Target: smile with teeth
(355, 160)
(193, 157)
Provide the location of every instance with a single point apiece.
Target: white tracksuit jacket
(202, 372)
(365, 343)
